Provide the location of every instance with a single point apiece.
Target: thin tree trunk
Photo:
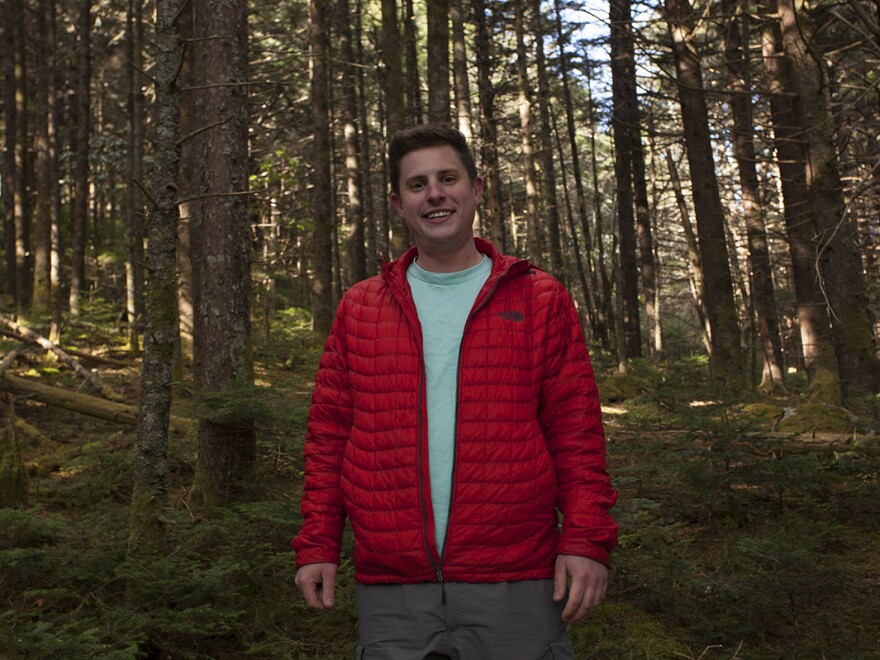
(551, 206)
(81, 167)
(533, 212)
(23, 251)
(11, 22)
(493, 210)
(134, 269)
(772, 376)
(354, 207)
(45, 51)
(460, 70)
(372, 251)
(726, 359)
(150, 460)
(438, 62)
(622, 75)
(414, 112)
(698, 290)
(322, 257)
(594, 313)
(57, 253)
(392, 91)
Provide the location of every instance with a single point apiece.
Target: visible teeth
(437, 214)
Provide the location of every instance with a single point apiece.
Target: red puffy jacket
(529, 437)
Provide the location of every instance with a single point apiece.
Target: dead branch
(65, 357)
(83, 403)
(9, 359)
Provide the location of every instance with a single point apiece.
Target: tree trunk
(414, 113)
(493, 209)
(150, 460)
(354, 207)
(12, 22)
(23, 252)
(551, 205)
(772, 376)
(590, 284)
(81, 167)
(820, 359)
(622, 76)
(45, 51)
(726, 360)
(221, 240)
(392, 91)
(438, 62)
(134, 270)
(460, 70)
(535, 249)
(372, 251)
(845, 284)
(322, 204)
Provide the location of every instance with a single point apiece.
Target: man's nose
(435, 190)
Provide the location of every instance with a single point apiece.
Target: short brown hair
(421, 137)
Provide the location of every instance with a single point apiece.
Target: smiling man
(455, 418)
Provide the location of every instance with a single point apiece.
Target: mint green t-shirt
(443, 301)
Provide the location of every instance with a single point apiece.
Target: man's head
(427, 135)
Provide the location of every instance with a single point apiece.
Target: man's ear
(395, 204)
(478, 189)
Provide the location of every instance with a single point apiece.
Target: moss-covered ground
(739, 538)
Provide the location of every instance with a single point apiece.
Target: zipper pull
(442, 586)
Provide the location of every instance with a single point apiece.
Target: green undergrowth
(736, 540)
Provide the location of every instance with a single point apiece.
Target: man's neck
(452, 262)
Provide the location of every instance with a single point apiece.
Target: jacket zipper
(438, 567)
(473, 313)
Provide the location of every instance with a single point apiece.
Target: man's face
(437, 199)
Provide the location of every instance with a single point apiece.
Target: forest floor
(737, 539)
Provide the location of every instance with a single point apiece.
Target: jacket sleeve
(571, 421)
(329, 425)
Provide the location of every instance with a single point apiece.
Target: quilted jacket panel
(529, 438)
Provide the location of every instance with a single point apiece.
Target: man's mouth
(436, 215)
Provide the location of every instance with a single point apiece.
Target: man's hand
(589, 580)
(318, 584)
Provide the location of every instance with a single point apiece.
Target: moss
(765, 414)
(620, 387)
(825, 387)
(818, 417)
(14, 482)
(620, 630)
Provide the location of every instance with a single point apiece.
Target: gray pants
(504, 621)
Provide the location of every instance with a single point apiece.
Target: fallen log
(83, 403)
(65, 357)
(9, 358)
(90, 357)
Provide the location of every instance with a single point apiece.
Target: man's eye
(449, 179)
(416, 186)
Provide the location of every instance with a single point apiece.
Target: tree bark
(493, 208)
(844, 278)
(535, 248)
(590, 284)
(12, 23)
(353, 168)
(134, 269)
(392, 91)
(773, 372)
(81, 168)
(548, 171)
(220, 239)
(622, 76)
(322, 204)
(438, 62)
(414, 112)
(150, 460)
(820, 359)
(460, 70)
(726, 361)
(42, 298)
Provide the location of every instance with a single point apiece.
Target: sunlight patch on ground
(613, 410)
(701, 404)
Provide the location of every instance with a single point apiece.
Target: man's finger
(328, 588)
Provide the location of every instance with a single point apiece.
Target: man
(454, 413)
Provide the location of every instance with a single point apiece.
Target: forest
(189, 186)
